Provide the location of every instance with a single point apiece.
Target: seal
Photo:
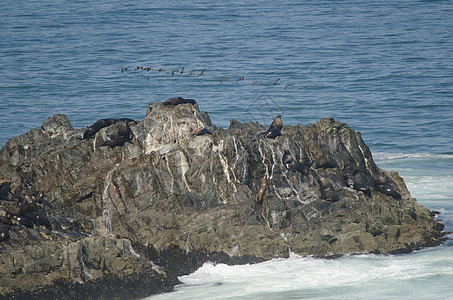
(275, 128)
(328, 192)
(350, 182)
(178, 100)
(383, 186)
(294, 165)
(262, 190)
(93, 129)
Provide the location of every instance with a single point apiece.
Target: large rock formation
(129, 218)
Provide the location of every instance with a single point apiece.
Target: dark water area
(384, 67)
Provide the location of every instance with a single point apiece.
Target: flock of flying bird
(202, 73)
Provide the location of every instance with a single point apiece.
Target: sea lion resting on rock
(179, 100)
(383, 186)
(294, 165)
(5, 190)
(4, 233)
(262, 190)
(328, 192)
(93, 129)
(357, 186)
(275, 128)
(38, 219)
(124, 135)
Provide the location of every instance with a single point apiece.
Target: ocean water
(383, 67)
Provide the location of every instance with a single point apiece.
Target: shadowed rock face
(180, 199)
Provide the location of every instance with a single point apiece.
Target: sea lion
(28, 206)
(5, 190)
(116, 141)
(37, 218)
(13, 210)
(124, 130)
(383, 186)
(93, 129)
(4, 233)
(5, 220)
(126, 120)
(350, 182)
(178, 100)
(22, 221)
(328, 192)
(262, 190)
(275, 128)
(124, 135)
(294, 165)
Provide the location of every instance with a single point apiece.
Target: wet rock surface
(124, 221)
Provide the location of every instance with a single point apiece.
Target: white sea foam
(350, 277)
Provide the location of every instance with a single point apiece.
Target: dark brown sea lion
(13, 210)
(350, 182)
(179, 100)
(5, 190)
(328, 192)
(262, 190)
(5, 220)
(124, 130)
(294, 165)
(116, 141)
(275, 128)
(383, 186)
(28, 206)
(37, 218)
(4, 233)
(124, 135)
(126, 120)
(22, 221)
(93, 129)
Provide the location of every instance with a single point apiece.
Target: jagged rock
(182, 199)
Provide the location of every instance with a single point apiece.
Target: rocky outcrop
(178, 191)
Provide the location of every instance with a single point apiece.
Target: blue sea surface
(383, 67)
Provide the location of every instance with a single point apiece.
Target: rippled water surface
(383, 67)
